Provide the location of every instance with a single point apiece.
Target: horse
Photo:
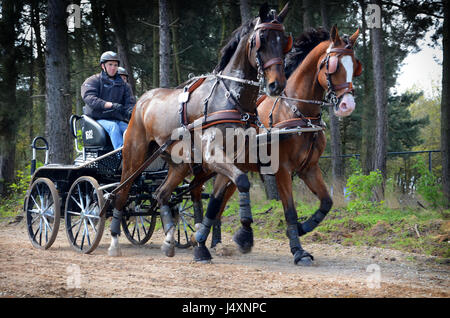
(320, 62)
(256, 51)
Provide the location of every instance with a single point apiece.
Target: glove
(115, 106)
(127, 113)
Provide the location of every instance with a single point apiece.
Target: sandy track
(268, 271)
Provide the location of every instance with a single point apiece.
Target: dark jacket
(99, 89)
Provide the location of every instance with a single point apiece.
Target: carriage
(76, 193)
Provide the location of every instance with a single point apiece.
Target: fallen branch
(417, 230)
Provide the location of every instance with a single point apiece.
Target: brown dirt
(268, 271)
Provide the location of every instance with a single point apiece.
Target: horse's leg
(175, 176)
(284, 183)
(216, 232)
(201, 253)
(196, 197)
(134, 153)
(314, 180)
(244, 236)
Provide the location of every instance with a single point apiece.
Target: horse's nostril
(343, 106)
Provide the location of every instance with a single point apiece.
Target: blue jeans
(115, 130)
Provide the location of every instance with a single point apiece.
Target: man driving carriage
(109, 99)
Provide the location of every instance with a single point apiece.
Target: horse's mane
(304, 44)
(229, 49)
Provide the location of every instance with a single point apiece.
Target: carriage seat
(95, 137)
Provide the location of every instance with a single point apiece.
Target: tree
(58, 96)
(117, 11)
(246, 13)
(445, 105)
(380, 98)
(9, 109)
(164, 44)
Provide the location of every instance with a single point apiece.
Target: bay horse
(255, 52)
(328, 67)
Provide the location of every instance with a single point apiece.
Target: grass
(417, 230)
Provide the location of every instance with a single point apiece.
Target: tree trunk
(59, 106)
(174, 29)
(335, 135)
(155, 68)
(117, 13)
(98, 17)
(39, 102)
(9, 112)
(380, 101)
(246, 13)
(324, 15)
(164, 44)
(307, 14)
(445, 107)
(367, 104)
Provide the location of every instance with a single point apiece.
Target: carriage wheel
(185, 225)
(84, 225)
(138, 228)
(43, 212)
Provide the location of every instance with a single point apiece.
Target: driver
(108, 99)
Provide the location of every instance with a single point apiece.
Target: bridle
(255, 43)
(233, 96)
(331, 63)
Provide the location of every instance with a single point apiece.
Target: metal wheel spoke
(87, 232)
(75, 224)
(93, 226)
(142, 219)
(78, 232)
(81, 197)
(74, 213)
(79, 204)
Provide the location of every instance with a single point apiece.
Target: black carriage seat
(95, 137)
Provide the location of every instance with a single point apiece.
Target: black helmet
(109, 56)
(122, 71)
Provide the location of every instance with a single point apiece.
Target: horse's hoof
(168, 249)
(114, 252)
(244, 239)
(202, 255)
(303, 258)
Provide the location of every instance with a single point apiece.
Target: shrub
(360, 187)
(427, 185)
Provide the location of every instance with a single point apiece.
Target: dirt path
(268, 271)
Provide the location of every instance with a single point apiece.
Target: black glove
(115, 106)
(127, 113)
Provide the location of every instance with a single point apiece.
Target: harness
(238, 115)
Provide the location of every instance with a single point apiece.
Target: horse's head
(336, 70)
(267, 46)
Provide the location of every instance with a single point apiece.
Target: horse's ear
(284, 12)
(334, 36)
(264, 12)
(353, 38)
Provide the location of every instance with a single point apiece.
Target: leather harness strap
(185, 98)
(223, 117)
(298, 122)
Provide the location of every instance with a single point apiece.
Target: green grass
(377, 226)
